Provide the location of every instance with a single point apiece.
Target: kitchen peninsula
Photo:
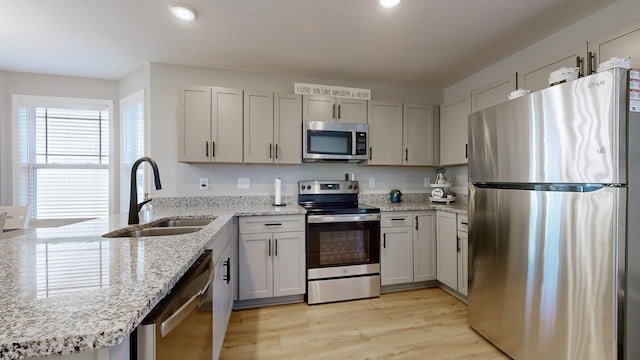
(135, 274)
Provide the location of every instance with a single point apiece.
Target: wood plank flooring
(416, 324)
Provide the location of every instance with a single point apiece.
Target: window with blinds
(131, 145)
(64, 158)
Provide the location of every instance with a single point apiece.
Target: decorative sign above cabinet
(336, 91)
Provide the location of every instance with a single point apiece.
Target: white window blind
(131, 144)
(64, 158)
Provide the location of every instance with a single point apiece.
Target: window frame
(70, 103)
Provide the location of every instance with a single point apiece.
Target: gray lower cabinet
(452, 251)
(407, 248)
(222, 297)
(271, 256)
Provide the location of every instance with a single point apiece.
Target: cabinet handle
(207, 149)
(416, 223)
(270, 151)
(339, 113)
(464, 223)
(457, 243)
(590, 57)
(466, 151)
(273, 224)
(397, 219)
(334, 111)
(406, 154)
(213, 149)
(269, 247)
(579, 66)
(384, 241)
(227, 264)
(276, 251)
(276, 153)
(370, 152)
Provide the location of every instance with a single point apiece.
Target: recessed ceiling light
(183, 12)
(389, 3)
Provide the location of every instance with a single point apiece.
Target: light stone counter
(68, 290)
(414, 202)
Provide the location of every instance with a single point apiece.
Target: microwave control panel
(361, 143)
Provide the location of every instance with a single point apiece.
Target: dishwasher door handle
(187, 308)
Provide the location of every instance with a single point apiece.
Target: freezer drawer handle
(187, 308)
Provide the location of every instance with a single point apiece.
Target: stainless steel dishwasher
(181, 325)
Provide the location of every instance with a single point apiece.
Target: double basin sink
(163, 227)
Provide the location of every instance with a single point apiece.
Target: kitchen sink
(170, 223)
(154, 231)
(164, 227)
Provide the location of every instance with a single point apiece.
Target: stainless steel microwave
(338, 142)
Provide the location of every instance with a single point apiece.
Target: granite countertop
(415, 202)
(67, 289)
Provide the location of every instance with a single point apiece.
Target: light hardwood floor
(417, 324)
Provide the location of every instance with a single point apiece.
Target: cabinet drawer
(391, 219)
(271, 224)
(463, 222)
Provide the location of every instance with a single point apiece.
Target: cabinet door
(463, 263)
(454, 133)
(288, 263)
(418, 135)
(537, 77)
(195, 124)
(447, 262)
(287, 134)
(218, 299)
(396, 258)
(256, 266)
(351, 111)
(424, 246)
(318, 108)
(493, 94)
(226, 125)
(258, 127)
(385, 133)
(620, 43)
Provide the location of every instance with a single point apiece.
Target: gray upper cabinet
(272, 128)
(385, 133)
(210, 124)
(454, 131)
(493, 94)
(620, 43)
(287, 132)
(537, 77)
(418, 135)
(329, 108)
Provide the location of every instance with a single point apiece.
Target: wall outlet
(427, 182)
(372, 182)
(204, 183)
(244, 183)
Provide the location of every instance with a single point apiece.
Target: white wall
(615, 16)
(42, 85)
(179, 179)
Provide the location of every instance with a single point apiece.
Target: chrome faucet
(134, 207)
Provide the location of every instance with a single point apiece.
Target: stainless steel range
(343, 242)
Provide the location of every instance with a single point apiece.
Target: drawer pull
(273, 224)
(398, 219)
(464, 223)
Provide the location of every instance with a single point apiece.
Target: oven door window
(341, 244)
(329, 142)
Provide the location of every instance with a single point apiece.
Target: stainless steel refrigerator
(554, 222)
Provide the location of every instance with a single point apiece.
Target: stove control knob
(355, 187)
(308, 187)
(302, 187)
(350, 187)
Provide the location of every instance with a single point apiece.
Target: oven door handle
(319, 219)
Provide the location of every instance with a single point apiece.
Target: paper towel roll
(278, 190)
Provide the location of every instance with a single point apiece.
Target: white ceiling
(430, 43)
